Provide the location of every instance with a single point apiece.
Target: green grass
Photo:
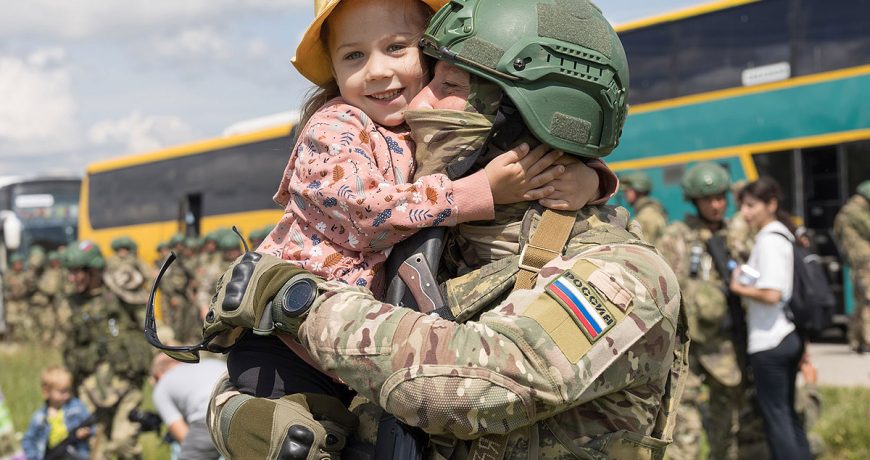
(844, 424)
(20, 366)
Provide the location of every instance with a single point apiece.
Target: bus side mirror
(11, 229)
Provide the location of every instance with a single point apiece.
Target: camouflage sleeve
(652, 222)
(855, 247)
(538, 353)
(674, 248)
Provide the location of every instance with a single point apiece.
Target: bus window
(832, 34)
(649, 57)
(713, 50)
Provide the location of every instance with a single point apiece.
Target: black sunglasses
(183, 353)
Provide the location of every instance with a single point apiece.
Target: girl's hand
(573, 189)
(520, 175)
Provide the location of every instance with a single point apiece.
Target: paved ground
(839, 366)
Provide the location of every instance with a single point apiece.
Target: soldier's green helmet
(84, 254)
(123, 242)
(559, 62)
(53, 255)
(228, 241)
(192, 242)
(16, 257)
(637, 180)
(864, 189)
(176, 239)
(705, 179)
(162, 245)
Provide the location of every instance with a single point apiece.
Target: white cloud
(138, 133)
(202, 43)
(89, 18)
(38, 110)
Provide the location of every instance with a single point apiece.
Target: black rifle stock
(396, 440)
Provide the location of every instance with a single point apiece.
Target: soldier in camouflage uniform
(128, 277)
(18, 287)
(852, 230)
(229, 248)
(717, 331)
(257, 236)
(106, 354)
(525, 374)
(178, 308)
(47, 300)
(652, 217)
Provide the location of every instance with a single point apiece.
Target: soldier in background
(128, 277)
(162, 254)
(852, 230)
(47, 299)
(106, 354)
(179, 310)
(229, 248)
(257, 236)
(17, 288)
(699, 249)
(652, 217)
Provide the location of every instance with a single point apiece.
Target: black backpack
(812, 302)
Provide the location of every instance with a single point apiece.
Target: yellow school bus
(190, 189)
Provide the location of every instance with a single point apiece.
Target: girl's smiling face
(375, 59)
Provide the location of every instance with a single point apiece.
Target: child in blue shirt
(60, 417)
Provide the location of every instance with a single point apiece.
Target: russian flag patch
(583, 304)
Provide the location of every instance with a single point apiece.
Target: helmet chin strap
(506, 129)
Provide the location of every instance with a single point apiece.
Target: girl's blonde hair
(318, 96)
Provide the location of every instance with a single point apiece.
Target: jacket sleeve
(527, 359)
(30, 442)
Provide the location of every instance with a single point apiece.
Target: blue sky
(87, 80)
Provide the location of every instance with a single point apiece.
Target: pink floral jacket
(347, 200)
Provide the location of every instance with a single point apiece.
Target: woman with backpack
(774, 345)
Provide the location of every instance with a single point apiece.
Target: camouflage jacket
(17, 285)
(704, 295)
(652, 218)
(852, 230)
(48, 287)
(530, 367)
(102, 332)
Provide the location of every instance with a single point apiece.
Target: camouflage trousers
(45, 318)
(735, 429)
(184, 319)
(859, 326)
(22, 327)
(687, 432)
(112, 398)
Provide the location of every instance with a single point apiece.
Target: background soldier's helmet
(124, 242)
(84, 254)
(192, 242)
(637, 181)
(864, 189)
(162, 245)
(559, 61)
(228, 242)
(176, 239)
(53, 255)
(705, 179)
(36, 257)
(16, 257)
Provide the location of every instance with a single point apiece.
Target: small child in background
(58, 420)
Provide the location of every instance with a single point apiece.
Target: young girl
(346, 188)
(775, 348)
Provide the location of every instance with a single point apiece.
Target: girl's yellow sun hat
(312, 57)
